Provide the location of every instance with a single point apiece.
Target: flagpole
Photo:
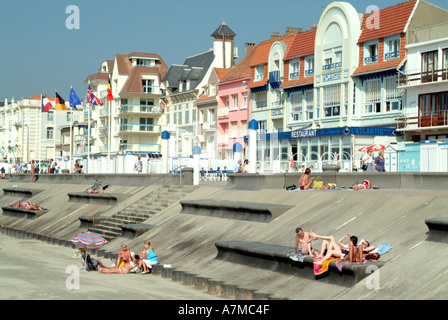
(54, 136)
(109, 140)
(40, 131)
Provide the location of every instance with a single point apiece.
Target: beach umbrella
(89, 240)
(377, 147)
(364, 149)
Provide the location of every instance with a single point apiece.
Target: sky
(40, 54)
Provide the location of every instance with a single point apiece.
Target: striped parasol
(89, 240)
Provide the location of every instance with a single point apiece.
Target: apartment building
(131, 124)
(187, 82)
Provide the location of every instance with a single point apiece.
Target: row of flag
(74, 99)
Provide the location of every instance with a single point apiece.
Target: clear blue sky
(39, 54)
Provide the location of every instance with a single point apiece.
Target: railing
(419, 76)
(140, 108)
(209, 126)
(309, 72)
(332, 66)
(274, 76)
(294, 75)
(392, 55)
(223, 112)
(262, 104)
(140, 128)
(214, 175)
(371, 59)
(433, 120)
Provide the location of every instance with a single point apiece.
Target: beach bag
(318, 183)
(292, 187)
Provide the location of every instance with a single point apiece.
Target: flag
(45, 103)
(91, 98)
(74, 99)
(60, 103)
(110, 97)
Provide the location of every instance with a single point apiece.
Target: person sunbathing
(128, 266)
(19, 205)
(32, 206)
(305, 181)
(364, 185)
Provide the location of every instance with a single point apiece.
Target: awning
(259, 89)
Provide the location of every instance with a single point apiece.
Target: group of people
(369, 164)
(127, 261)
(242, 167)
(353, 252)
(305, 183)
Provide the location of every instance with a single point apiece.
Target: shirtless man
(304, 238)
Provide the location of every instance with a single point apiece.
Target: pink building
(234, 107)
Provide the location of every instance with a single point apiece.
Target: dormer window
(259, 72)
(294, 69)
(309, 66)
(392, 48)
(371, 52)
(332, 59)
(148, 86)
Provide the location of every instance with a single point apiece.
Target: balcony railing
(209, 126)
(294, 75)
(140, 128)
(371, 59)
(274, 76)
(392, 55)
(262, 104)
(223, 112)
(413, 77)
(309, 72)
(432, 120)
(332, 66)
(140, 108)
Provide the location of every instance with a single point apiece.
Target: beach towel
(322, 268)
(298, 256)
(342, 263)
(382, 249)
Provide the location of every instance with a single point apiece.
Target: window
(393, 95)
(296, 107)
(235, 102)
(332, 101)
(332, 59)
(309, 66)
(146, 124)
(373, 96)
(429, 66)
(213, 89)
(245, 101)
(50, 133)
(143, 62)
(259, 73)
(370, 52)
(392, 49)
(50, 116)
(294, 69)
(433, 109)
(445, 64)
(309, 100)
(148, 86)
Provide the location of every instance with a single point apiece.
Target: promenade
(190, 240)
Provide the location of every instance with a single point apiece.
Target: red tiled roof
(392, 20)
(291, 83)
(38, 98)
(221, 72)
(378, 66)
(262, 49)
(302, 45)
(241, 69)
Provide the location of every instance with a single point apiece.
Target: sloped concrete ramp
(415, 268)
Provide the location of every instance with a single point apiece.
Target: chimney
(291, 30)
(248, 46)
(314, 26)
(275, 35)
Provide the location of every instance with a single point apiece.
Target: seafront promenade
(228, 251)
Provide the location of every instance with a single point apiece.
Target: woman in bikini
(365, 184)
(124, 255)
(305, 181)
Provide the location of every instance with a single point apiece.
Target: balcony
(294, 75)
(261, 104)
(140, 128)
(223, 113)
(209, 126)
(371, 59)
(274, 76)
(332, 66)
(141, 109)
(309, 72)
(416, 77)
(392, 55)
(436, 119)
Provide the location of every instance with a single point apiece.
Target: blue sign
(340, 131)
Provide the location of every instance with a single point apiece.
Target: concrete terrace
(415, 268)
